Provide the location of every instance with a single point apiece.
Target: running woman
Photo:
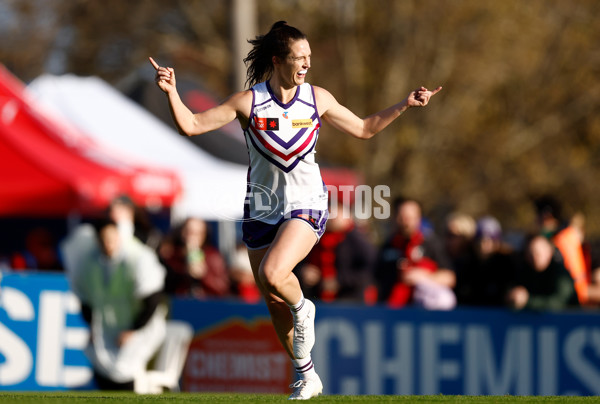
(281, 115)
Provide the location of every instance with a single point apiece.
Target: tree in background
(518, 116)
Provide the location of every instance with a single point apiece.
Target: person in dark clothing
(567, 238)
(543, 282)
(485, 278)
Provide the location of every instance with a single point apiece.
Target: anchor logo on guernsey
(266, 123)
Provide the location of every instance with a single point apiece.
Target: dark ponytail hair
(275, 43)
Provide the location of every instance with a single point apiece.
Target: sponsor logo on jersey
(272, 123)
(301, 123)
(285, 115)
(263, 108)
(261, 123)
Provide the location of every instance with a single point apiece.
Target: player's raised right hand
(165, 77)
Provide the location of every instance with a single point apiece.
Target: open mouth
(302, 73)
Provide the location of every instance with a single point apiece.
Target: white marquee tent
(213, 189)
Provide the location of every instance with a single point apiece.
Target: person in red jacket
(412, 266)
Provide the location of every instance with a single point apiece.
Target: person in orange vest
(567, 239)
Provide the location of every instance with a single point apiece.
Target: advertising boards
(358, 350)
(42, 334)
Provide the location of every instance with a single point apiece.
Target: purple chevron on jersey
(285, 162)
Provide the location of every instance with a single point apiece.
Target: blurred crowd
(469, 262)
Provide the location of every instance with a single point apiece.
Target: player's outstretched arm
(346, 121)
(190, 124)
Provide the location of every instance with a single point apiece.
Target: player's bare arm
(190, 124)
(346, 121)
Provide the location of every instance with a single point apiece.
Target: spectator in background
(591, 253)
(340, 266)
(491, 269)
(413, 267)
(458, 241)
(568, 240)
(194, 267)
(243, 284)
(133, 221)
(542, 281)
(120, 288)
(594, 287)
(41, 252)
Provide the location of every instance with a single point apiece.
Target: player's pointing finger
(154, 64)
(437, 90)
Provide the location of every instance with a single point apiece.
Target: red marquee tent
(47, 168)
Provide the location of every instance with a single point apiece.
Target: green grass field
(189, 398)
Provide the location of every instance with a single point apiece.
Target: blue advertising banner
(42, 334)
(359, 350)
(376, 350)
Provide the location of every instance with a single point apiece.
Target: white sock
(299, 310)
(305, 369)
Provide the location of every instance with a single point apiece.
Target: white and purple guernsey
(283, 176)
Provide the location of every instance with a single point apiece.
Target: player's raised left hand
(420, 97)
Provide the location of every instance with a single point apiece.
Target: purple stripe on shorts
(257, 234)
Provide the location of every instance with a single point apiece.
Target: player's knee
(270, 277)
